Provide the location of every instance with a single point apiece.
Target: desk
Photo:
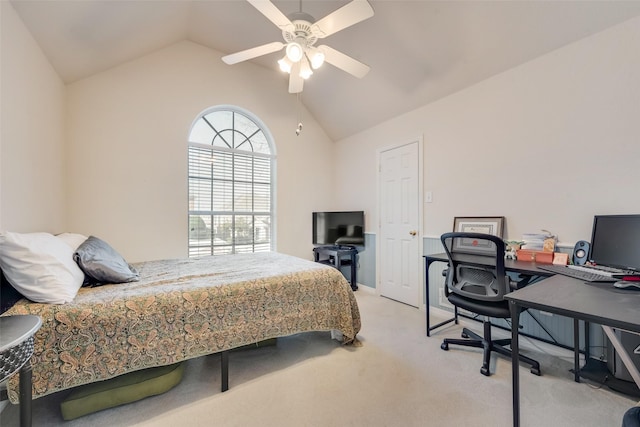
(589, 302)
(526, 268)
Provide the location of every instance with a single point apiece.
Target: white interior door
(399, 189)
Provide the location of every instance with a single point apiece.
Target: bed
(182, 309)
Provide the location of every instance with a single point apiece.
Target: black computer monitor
(615, 241)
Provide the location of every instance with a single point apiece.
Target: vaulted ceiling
(419, 51)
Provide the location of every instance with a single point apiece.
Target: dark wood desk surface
(591, 302)
(594, 302)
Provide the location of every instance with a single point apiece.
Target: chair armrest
(520, 282)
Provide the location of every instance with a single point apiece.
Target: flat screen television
(615, 241)
(338, 228)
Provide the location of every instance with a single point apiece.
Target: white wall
(127, 149)
(32, 192)
(547, 144)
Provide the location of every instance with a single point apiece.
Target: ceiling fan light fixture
(317, 58)
(294, 52)
(305, 69)
(285, 64)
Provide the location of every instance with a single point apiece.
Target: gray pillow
(102, 264)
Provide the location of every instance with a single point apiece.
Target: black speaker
(580, 252)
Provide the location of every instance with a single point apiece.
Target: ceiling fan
(301, 32)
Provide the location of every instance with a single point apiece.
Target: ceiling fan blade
(295, 81)
(273, 14)
(344, 62)
(254, 52)
(346, 16)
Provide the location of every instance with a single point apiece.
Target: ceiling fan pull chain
(299, 127)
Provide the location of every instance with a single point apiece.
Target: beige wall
(108, 155)
(32, 162)
(127, 149)
(547, 144)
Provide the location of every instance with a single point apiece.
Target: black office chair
(479, 289)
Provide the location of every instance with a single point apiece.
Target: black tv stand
(335, 256)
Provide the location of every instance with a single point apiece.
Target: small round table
(16, 348)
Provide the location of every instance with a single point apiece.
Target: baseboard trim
(367, 289)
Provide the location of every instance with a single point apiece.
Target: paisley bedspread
(181, 309)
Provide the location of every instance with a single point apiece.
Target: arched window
(231, 192)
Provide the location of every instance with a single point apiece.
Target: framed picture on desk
(493, 225)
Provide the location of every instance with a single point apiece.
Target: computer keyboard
(600, 269)
(580, 273)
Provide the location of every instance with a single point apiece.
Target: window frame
(233, 151)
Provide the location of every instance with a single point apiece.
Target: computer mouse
(623, 284)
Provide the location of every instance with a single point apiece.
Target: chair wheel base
(444, 346)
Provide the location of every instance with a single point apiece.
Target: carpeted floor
(398, 377)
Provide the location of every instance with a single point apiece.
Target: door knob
(413, 232)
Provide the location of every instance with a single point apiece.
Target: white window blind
(230, 185)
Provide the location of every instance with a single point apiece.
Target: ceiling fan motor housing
(302, 34)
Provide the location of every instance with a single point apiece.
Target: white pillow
(72, 239)
(40, 266)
